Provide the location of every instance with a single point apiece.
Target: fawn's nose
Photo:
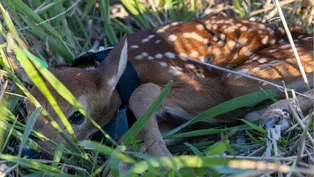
(28, 152)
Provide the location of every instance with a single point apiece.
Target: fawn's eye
(76, 118)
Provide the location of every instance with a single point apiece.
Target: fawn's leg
(185, 100)
(140, 101)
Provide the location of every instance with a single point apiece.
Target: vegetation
(56, 31)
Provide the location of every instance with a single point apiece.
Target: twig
(2, 90)
(64, 12)
(295, 115)
(274, 158)
(248, 164)
(291, 42)
(279, 87)
(266, 8)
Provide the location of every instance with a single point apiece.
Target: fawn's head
(94, 88)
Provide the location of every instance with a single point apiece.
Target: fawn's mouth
(31, 153)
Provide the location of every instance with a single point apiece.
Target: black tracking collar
(127, 84)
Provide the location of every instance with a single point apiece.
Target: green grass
(51, 30)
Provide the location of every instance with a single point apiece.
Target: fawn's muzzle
(31, 153)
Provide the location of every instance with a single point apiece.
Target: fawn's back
(161, 54)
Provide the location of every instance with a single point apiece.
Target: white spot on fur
(139, 57)
(307, 38)
(172, 37)
(178, 68)
(243, 28)
(145, 40)
(163, 64)
(255, 58)
(157, 41)
(150, 58)
(200, 75)
(194, 54)
(243, 40)
(231, 44)
(161, 30)
(216, 51)
(191, 66)
(215, 38)
(262, 60)
(134, 46)
(272, 50)
(282, 41)
(170, 55)
(221, 43)
(247, 51)
(151, 36)
(200, 27)
(175, 70)
(230, 29)
(197, 37)
(261, 26)
(186, 35)
(273, 41)
(183, 56)
(90, 68)
(144, 54)
(265, 39)
(174, 23)
(253, 70)
(158, 55)
(286, 46)
(205, 41)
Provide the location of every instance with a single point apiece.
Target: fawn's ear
(114, 64)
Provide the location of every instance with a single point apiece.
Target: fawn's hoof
(277, 114)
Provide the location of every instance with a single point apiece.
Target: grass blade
(218, 148)
(194, 149)
(139, 124)
(29, 127)
(105, 150)
(174, 163)
(242, 101)
(35, 165)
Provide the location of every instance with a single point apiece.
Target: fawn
(163, 54)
